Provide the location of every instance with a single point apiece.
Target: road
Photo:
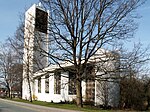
(12, 106)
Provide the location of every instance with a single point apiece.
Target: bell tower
(35, 45)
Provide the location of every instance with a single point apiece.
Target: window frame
(39, 84)
(47, 83)
(57, 82)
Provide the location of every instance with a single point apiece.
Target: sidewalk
(38, 108)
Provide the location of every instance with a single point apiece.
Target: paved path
(12, 106)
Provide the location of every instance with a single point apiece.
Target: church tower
(35, 44)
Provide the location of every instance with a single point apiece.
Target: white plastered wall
(112, 91)
(51, 96)
(28, 49)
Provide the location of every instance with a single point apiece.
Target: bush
(132, 95)
(91, 103)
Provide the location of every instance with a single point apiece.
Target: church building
(51, 83)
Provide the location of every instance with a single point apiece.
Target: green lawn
(65, 106)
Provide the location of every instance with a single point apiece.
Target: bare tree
(16, 71)
(133, 66)
(26, 48)
(134, 62)
(17, 43)
(8, 62)
(79, 28)
(146, 82)
(132, 94)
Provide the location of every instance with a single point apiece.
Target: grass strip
(62, 106)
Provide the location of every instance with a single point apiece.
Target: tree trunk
(79, 94)
(148, 101)
(30, 93)
(29, 81)
(8, 89)
(8, 92)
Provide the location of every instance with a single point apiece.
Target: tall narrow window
(47, 84)
(39, 85)
(72, 83)
(57, 82)
(90, 90)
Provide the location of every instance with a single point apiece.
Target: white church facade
(53, 84)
